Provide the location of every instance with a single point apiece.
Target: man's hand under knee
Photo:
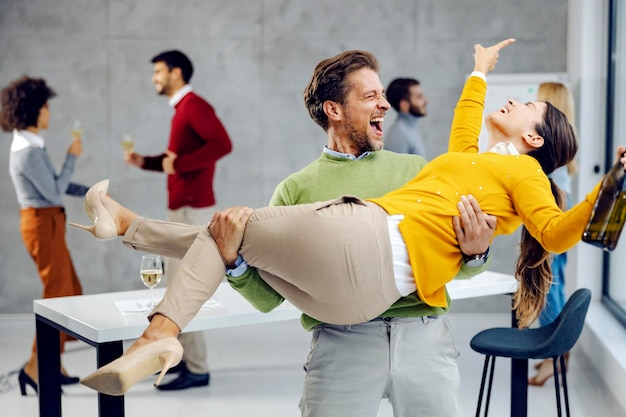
(227, 228)
(474, 229)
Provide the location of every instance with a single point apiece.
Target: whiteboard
(520, 87)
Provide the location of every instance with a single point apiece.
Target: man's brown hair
(330, 81)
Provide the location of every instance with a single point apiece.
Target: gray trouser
(410, 361)
(331, 259)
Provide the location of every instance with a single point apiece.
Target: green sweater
(330, 177)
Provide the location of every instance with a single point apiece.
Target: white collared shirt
(23, 139)
(178, 96)
(504, 148)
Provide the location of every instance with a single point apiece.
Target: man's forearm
(258, 293)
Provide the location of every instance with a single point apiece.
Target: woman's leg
(315, 255)
(555, 300)
(279, 248)
(286, 245)
(158, 237)
(196, 280)
(331, 259)
(147, 235)
(43, 233)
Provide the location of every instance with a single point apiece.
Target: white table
(97, 320)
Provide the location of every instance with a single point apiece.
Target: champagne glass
(77, 129)
(151, 272)
(128, 144)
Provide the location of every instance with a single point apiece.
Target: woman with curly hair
(39, 190)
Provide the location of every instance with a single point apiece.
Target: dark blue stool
(551, 341)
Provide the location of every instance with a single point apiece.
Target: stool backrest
(568, 326)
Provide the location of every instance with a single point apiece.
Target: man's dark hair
(21, 102)
(176, 59)
(330, 81)
(398, 90)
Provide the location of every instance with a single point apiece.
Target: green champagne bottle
(609, 211)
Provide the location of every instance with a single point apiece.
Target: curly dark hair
(21, 102)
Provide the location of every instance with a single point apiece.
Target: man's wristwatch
(474, 261)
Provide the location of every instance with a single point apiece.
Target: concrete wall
(252, 59)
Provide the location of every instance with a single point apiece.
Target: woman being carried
(352, 238)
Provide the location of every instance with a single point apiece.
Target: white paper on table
(142, 305)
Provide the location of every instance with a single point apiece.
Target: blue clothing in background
(35, 180)
(555, 299)
(403, 136)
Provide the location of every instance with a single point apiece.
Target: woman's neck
(33, 129)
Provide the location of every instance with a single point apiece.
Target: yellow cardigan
(514, 188)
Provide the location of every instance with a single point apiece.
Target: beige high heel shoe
(118, 376)
(104, 227)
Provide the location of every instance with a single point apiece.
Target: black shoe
(180, 367)
(24, 380)
(69, 380)
(186, 380)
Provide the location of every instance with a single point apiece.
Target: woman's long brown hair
(533, 269)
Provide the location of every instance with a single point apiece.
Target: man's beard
(362, 140)
(414, 111)
(163, 91)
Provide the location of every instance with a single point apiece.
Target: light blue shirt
(564, 181)
(403, 136)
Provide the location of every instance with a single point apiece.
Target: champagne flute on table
(151, 272)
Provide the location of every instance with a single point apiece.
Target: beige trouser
(194, 345)
(331, 259)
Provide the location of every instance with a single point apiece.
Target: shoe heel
(168, 359)
(104, 227)
(90, 229)
(118, 376)
(24, 380)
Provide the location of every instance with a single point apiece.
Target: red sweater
(199, 139)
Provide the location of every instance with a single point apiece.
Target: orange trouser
(43, 232)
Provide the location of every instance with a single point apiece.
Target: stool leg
(557, 386)
(493, 367)
(565, 393)
(482, 386)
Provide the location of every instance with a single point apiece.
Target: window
(614, 285)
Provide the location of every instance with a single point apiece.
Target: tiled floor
(257, 371)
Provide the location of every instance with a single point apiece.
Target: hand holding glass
(151, 272)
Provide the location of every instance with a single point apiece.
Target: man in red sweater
(197, 140)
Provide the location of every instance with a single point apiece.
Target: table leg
(519, 383)
(49, 361)
(109, 406)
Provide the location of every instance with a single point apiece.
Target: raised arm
(485, 59)
(555, 230)
(468, 113)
